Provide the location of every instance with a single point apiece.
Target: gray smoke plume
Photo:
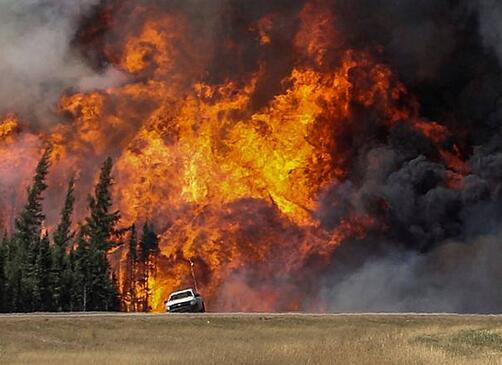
(438, 246)
(37, 62)
(490, 14)
(439, 249)
(458, 277)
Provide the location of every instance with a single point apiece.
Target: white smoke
(37, 62)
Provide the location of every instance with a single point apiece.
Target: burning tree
(148, 251)
(130, 286)
(140, 268)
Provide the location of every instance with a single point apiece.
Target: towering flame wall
(268, 144)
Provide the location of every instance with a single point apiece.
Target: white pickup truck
(183, 301)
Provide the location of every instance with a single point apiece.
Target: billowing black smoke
(440, 249)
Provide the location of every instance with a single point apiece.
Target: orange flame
(230, 186)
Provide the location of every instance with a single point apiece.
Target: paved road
(230, 315)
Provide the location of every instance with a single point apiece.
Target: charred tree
(148, 251)
(130, 283)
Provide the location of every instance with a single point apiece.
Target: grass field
(251, 339)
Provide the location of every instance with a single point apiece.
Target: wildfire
(8, 126)
(231, 186)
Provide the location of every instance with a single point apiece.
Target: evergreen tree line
(69, 270)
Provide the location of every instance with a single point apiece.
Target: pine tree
(79, 259)
(24, 244)
(42, 290)
(100, 293)
(102, 222)
(13, 273)
(149, 249)
(63, 234)
(61, 270)
(67, 280)
(96, 289)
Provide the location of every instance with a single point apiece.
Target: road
(240, 314)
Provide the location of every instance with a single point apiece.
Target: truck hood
(178, 301)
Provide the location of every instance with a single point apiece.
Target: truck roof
(181, 291)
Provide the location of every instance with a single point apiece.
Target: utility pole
(193, 274)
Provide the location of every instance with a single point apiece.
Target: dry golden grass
(251, 339)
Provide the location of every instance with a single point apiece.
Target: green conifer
(102, 222)
(42, 290)
(96, 289)
(24, 245)
(61, 270)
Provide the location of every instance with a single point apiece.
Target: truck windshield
(185, 294)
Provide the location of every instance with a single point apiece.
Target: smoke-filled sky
(37, 62)
(441, 249)
(449, 54)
